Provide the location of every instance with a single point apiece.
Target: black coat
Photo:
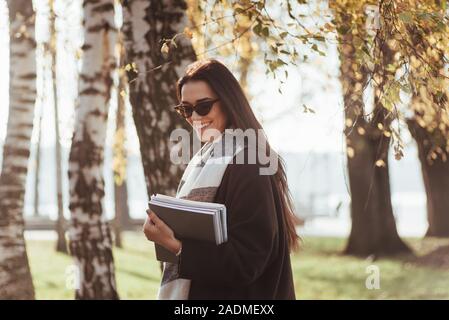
(255, 262)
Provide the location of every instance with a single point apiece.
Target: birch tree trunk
(38, 163)
(15, 275)
(122, 217)
(90, 236)
(153, 91)
(61, 245)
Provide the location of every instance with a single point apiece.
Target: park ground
(320, 270)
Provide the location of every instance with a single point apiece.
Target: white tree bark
(153, 91)
(122, 218)
(61, 244)
(15, 275)
(90, 237)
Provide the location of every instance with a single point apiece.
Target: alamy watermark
(72, 277)
(372, 281)
(182, 148)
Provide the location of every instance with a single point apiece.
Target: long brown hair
(241, 116)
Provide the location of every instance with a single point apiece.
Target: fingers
(154, 218)
(149, 216)
(153, 226)
(147, 226)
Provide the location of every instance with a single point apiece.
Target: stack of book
(195, 220)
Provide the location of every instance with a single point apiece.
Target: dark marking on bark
(28, 76)
(91, 91)
(86, 47)
(103, 8)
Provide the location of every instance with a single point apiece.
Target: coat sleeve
(252, 232)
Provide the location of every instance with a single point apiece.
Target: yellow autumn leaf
(350, 152)
(348, 122)
(78, 53)
(188, 33)
(329, 27)
(380, 163)
(165, 48)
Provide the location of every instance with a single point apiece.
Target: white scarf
(200, 182)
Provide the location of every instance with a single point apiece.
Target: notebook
(195, 220)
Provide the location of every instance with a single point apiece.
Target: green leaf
(280, 62)
(257, 28)
(306, 109)
(266, 31)
(406, 88)
(391, 67)
(365, 49)
(271, 65)
(315, 48)
(343, 29)
(260, 5)
(406, 17)
(318, 38)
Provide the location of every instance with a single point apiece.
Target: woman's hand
(157, 231)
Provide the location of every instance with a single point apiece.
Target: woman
(255, 261)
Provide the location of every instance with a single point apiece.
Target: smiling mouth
(202, 125)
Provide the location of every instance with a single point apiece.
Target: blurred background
(302, 108)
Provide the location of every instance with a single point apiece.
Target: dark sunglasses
(202, 108)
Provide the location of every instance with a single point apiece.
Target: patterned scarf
(200, 182)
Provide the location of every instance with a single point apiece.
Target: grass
(320, 271)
